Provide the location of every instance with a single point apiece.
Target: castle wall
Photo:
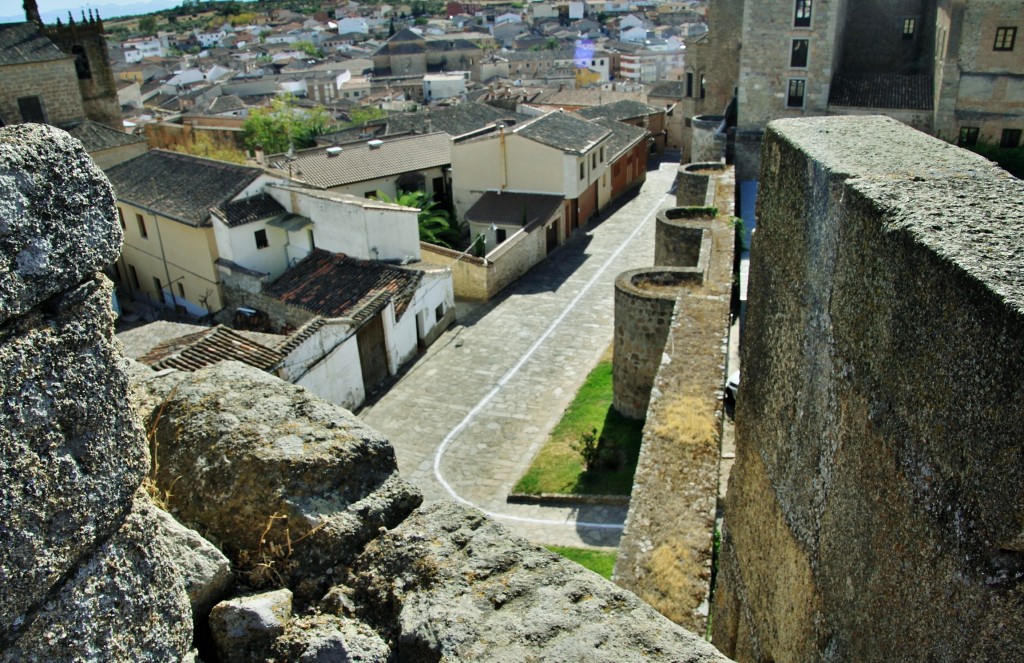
(875, 508)
(644, 301)
(666, 548)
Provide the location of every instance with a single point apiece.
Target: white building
(444, 85)
(143, 47)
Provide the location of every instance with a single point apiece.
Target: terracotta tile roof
(563, 131)
(296, 338)
(254, 208)
(334, 285)
(21, 43)
(508, 209)
(360, 162)
(906, 91)
(194, 351)
(179, 186)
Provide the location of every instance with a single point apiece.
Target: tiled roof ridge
(297, 337)
(208, 347)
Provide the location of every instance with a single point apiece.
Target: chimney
(260, 157)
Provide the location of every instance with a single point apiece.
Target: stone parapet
(878, 421)
(680, 234)
(644, 301)
(692, 183)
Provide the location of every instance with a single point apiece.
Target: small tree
(283, 124)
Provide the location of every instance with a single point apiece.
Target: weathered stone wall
(666, 548)
(679, 236)
(875, 508)
(694, 182)
(243, 287)
(52, 82)
(707, 145)
(644, 301)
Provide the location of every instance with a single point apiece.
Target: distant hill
(107, 11)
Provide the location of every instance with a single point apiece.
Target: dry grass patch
(688, 420)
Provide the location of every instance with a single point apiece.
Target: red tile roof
(334, 285)
(194, 351)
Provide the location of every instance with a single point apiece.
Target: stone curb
(555, 499)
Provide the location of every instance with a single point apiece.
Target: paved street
(469, 415)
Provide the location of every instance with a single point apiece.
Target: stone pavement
(469, 415)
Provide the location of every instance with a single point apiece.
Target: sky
(11, 10)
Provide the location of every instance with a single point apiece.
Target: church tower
(85, 41)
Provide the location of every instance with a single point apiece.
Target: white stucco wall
(336, 377)
(361, 229)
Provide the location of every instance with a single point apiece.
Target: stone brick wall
(876, 505)
(880, 23)
(666, 548)
(54, 82)
(679, 234)
(706, 146)
(644, 301)
(764, 71)
(242, 289)
(693, 183)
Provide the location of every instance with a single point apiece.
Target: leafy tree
(147, 25)
(436, 225)
(284, 124)
(364, 114)
(309, 48)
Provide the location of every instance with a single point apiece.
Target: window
(602, 154)
(370, 194)
(133, 276)
(159, 288)
(909, 28)
(968, 136)
(81, 63)
(795, 94)
(142, 226)
(261, 239)
(583, 170)
(798, 56)
(312, 241)
(1010, 138)
(689, 84)
(500, 235)
(439, 311)
(1005, 37)
(702, 88)
(31, 109)
(181, 290)
(593, 160)
(120, 217)
(802, 15)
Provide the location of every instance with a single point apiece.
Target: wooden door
(373, 355)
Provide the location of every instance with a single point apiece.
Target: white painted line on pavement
(446, 442)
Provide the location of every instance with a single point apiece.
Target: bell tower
(85, 41)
